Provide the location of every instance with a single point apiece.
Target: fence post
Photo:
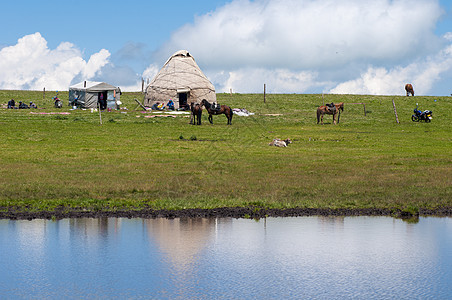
(395, 111)
(264, 92)
(100, 114)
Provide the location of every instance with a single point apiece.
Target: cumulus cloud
(378, 81)
(309, 33)
(292, 46)
(310, 45)
(30, 64)
(276, 80)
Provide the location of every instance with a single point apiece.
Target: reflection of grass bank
(132, 162)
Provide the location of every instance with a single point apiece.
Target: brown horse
(409, 89)
(325, 110)
(224, 109)
(196, 113)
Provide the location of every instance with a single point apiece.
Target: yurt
(180, 80)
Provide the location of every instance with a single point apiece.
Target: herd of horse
(329, 109)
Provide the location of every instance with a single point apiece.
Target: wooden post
(142, 85)
(264, 92)
(44, 93)
(100, 115)
(395, 111)
(363, 104)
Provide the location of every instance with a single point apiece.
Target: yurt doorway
(183, 99)
(102, 99)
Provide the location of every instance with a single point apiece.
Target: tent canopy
(93, 86)
(181, 80)
(87, 94)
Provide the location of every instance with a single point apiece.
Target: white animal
(280, 143)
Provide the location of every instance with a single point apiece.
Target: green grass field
(131, 162)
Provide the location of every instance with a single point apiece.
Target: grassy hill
(132, 161)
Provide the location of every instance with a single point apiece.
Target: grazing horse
(409, 89)
(196, 112)
(224, 109)
(322, 110)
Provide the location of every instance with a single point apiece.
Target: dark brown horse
(196, 113)
(224, 109)
(409, 89)
(325, 110)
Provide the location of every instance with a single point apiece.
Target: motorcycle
(419, 115)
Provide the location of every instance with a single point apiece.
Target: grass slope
(131, 162)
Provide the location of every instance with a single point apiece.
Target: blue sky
(294, 46)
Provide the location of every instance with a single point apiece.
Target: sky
(292, 46)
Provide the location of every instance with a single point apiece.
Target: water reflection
(309, 257)
(181, 239)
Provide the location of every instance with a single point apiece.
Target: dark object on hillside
(11, 104)
(419, 115)
(139, 104)
(23, 105)
(58, 103)
(409, 89)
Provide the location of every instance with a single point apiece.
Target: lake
(224, 258)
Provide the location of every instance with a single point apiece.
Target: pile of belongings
(242, 112)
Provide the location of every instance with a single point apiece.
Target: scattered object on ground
(140, 104)
(167, 112)
(50, 113)
(242, 112)
(177, 112)
(164, 116)
(280, 143)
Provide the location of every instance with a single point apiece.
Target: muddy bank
(226, 212)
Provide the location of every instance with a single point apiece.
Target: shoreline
(224, 212)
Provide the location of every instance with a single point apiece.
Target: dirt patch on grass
(225, 212)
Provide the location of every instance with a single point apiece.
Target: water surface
(273, 258)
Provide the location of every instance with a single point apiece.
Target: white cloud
(378, 81)
(276, 81)
(291, 44)
(151, 71)
(298, 34)
(30, 64)
(448, 36)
